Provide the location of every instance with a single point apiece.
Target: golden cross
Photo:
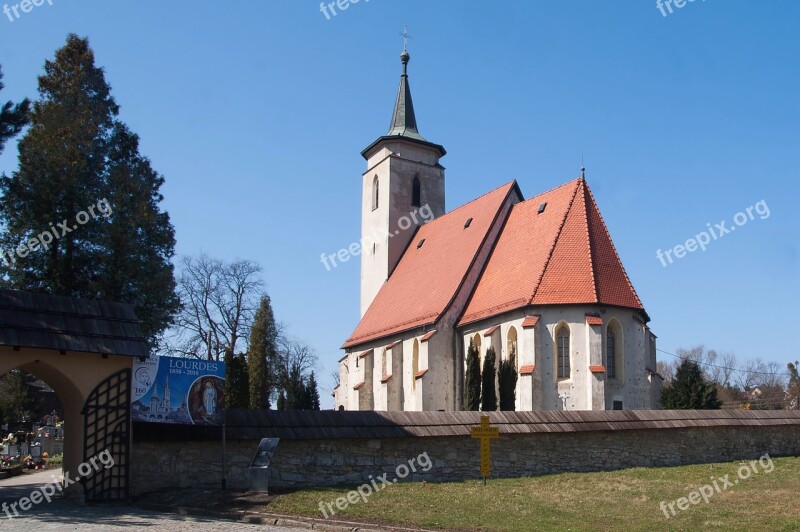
(485, 433)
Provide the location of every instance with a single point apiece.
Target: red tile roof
(386, 378)
(426, 279)
(420, 373)
(527, 370)
(490, 331)
(358, 386)
(428, 336)
(597, 369)
(562, 256)
(594, 320)
(530, 321)
(365, 353)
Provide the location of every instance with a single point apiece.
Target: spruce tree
(488, 381)
(261, 358)
(13, 117)
(472, 381)
(690, 390)
(77, 159)
(507, 382)
(281, 401)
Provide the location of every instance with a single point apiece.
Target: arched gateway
(84, 350)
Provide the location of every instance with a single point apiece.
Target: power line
(785, 373)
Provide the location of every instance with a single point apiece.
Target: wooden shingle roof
(43, 321)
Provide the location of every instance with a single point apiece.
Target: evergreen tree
(507, 381)
(88, 198)
(281, 402)
(312, 393)
(690, 390)
(261, 358)
(488, 381)
(236, 388)
(472, 381)
(295, 389)
(13, 117)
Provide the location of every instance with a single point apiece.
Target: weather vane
(406, 37)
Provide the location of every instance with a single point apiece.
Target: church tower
(402, 188)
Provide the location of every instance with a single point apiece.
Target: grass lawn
(620, 500)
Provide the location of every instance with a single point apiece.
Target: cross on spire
(406, 37)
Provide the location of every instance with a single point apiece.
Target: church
(539, 277)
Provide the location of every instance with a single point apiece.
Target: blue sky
(256, 113)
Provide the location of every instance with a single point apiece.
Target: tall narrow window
(611, 354)
(375, 193)
(562, 352)
(416, 193)
(414, 364)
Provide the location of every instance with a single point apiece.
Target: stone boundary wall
(301, 463)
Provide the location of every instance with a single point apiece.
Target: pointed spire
(404, 122)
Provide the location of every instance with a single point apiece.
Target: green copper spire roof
(404, 122)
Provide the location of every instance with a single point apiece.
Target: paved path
(62, 514)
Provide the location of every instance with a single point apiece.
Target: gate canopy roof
(69, 324)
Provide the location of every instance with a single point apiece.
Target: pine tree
(236, 389)
(13, 117)
(77, 159)
(690, 390)
(507, 382)
(488, 381)
(295, 389)
(261, 358)
(472, 380)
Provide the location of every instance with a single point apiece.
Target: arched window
(611, 354)
(562, 351)
(375, 193)
(414, 364)
(511, 343)
(614, 347)
(416, 193)
(384, 363)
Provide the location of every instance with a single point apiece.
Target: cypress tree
(472, 381)
(261, 358)
(312, 403)
(488, 381)
(236, 389)
(507, 381)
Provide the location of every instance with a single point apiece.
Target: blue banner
(178, 390)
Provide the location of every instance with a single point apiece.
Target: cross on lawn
(485, 433)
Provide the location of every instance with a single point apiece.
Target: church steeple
(403, 176)
(404, 122)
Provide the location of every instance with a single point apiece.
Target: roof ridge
(555, 240)
(592, 269)
(513, 181)
(613, 247)
(571, 181)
